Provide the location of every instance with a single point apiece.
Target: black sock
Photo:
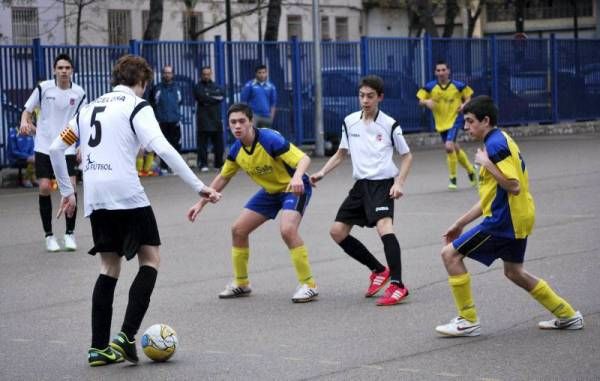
(392, 255)
(358, 251)
(46, 213)
(102, 301)
(139, 299)
(70, 221)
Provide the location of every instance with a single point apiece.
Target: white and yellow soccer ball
(159, 342)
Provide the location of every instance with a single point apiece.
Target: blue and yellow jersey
(270, 162)
(447, 101)
(505, 215)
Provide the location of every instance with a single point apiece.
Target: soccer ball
(159, 342)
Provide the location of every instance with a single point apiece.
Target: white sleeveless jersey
(57, 107)
(111, 130)
(371, 145)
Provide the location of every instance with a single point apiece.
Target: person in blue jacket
(261, 95)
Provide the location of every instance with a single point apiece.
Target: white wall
(50, 20)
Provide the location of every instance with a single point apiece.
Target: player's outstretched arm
(397, 189)
(59, 164)
(218, 184)
(454, 231)
(331, 164)
(296, 185)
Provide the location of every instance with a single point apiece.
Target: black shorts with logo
(123, 231)
(43, 166)
(367, 202)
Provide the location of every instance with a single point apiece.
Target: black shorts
(43, 166)
(123, 231)
(367, 202)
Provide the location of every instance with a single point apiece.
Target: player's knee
(237, 231)
(448, 255)
(336, 234)
(515, 275)
(289, 232)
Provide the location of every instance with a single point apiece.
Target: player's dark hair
(62, 56)
(204, 68)
(442, 62)
(373, 81)
(131, 70)
(260, 67)
(240, 107)
(482, 106)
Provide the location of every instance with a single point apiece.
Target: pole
(319, 133)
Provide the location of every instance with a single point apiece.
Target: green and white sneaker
(125, 347)
(452, 184)
(575, 322)
(97, 357)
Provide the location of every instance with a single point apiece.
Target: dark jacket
(208, 112)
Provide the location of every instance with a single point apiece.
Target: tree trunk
(520, 16)
(424, 11)
(472, 17)
(273, 16)
(451, 12)
(155, 19)
(78, 34)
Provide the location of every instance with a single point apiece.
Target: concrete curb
(567, 128)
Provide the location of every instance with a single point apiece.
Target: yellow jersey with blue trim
(505, 215)
(270, 161)
(447, 100)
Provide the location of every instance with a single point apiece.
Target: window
(192, 22)
(145, 20)
(119, 26)
(341, 28)
(539, 10)
(25, 25)
(325, 35)
(294, 26)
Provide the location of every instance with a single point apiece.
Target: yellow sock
(300, 260)
(546, 296)
(139, 163)
(239, 259)
(463, 160)
(460, 285)
(148, 161)
(451, 161)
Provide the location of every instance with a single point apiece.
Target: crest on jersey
(379, 137)
(72, 102)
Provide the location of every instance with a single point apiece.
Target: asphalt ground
(45, 298)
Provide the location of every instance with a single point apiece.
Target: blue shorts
(269, 204)
(486, 248)
(452, 134)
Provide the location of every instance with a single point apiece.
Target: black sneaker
(473, 179)
(452, 183)
(125, 347)
(97, 357)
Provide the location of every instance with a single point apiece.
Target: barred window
(192, 22)
(25, 26)
(325, 34)
(341, 28)
(119, 26)
(294, 26)
(539, 10)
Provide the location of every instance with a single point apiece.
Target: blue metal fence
(533, 81)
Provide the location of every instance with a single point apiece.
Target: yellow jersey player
(278, 167)
(445, 98)
(508, 214)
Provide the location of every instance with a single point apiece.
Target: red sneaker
(378, 280)
(393, 295)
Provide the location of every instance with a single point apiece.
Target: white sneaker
(575, 322)
(305, 294)
(459, 327)
(52, 244)
(234, 291)
(70, 244)
(204, 169)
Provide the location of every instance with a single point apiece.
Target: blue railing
(533, 81)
